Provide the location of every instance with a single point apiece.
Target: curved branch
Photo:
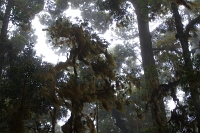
(191, 25)
(183, 38)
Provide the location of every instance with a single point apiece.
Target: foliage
(24, 10)
(89, 69)
(94, 78)
(21, 89)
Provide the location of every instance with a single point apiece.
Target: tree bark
(148, 62)
(182, 36)
(16, 124)
(3, 35)
(53, 118)
(4, 29)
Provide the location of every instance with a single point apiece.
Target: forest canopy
(122, 84)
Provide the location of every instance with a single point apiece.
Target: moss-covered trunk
(148, 62)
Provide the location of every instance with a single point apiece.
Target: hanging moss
(91, 73)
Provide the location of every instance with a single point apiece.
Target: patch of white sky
(42, 48)
(180, 95)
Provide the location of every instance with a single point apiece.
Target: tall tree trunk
(183, 38)
(119, 122)
(4, 29)
(97, 117)
(148, 62)
(3, 35)
(16, 124)
(53, 118)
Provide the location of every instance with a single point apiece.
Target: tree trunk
(3, 35)
(119, 122)
(16, 124)
(53, 118)
(148, 62)
(183, 38)
(97, 117)
(4, 29)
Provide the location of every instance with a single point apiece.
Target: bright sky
(41, 46)
(180, 94)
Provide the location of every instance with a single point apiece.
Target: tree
(117, 10)
(19, 13)
(90, 73)
(19, 68)
(89, 80)
(183, 36)
(21, 86)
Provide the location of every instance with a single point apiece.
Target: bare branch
(191, 25)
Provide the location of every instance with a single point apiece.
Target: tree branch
(191, 25)
(183, 38)
(167, 49)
